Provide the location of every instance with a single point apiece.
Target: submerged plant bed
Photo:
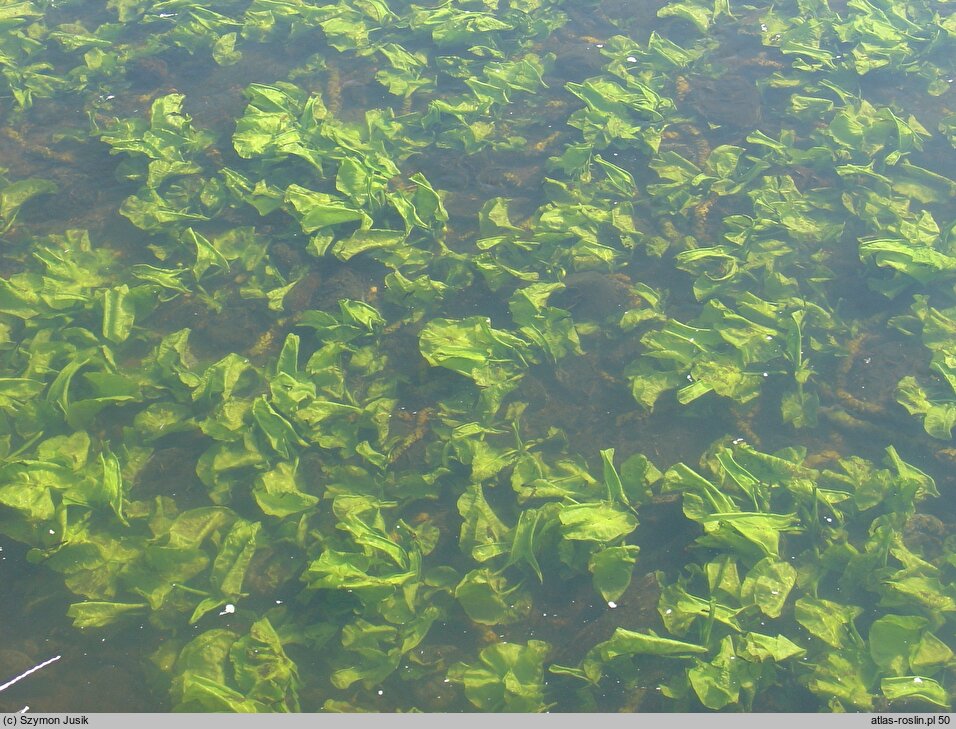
(479, 356)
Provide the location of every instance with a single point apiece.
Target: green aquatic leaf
(224, 50)
(648, 384)
(204, 656)
(278, 431)
(487, 598)
(629, 643)
(758, 530)
(263, 671)
(549, 328)
(919, 584)
(620, 179)
(768, 585)
(197, 692)
(601, 523)
(939, 414)
(375, 646)
(757, 647)
(119, 313)
(222, 671)
(701, 14)
(225, 466)
(829, 621)
(929, 654)
(682, 478)
(93, 614)
(360, 573)
(846, 675)
(530, 523)
(15, 194)
(405, 76)
(719, 682)
(679, 610)
(473, 348)
(72, 451)
(221, 380)
(96, 565)
(111, 484)
(14, 391)
(374, 539)
(149, 211)
(169, 141)
(278, 492)
(230, 565)
(452, 26)
(638, 475)
(508, 677)
(11, 12)
(612, 481)
(207, 255)
(319, 210)
(915, 688)
(891, 640)
(611, 570)
(382, 242)
(913, 484)
(162, 277)
(265, 198)
(338, 570)
(361, 315)
(568, 478)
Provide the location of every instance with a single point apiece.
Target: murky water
(332, 337)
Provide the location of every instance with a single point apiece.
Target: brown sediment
(300, 296)
(700, 215)
(749, 434)
(842, 419)
(418, 432)
(875, 363)
(333, 90)
(925, 534)
(596, 295)
(827, 457)
(728, 100)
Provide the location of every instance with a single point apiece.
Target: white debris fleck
(611, 604)
(632, 59)
(229, 609)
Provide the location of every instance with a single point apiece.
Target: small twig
(26, 673)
